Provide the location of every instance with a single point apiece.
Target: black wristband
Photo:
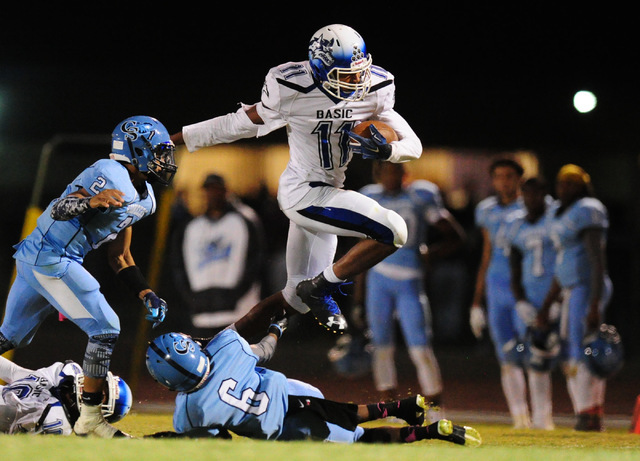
(132, 277)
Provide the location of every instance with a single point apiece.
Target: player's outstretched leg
(440, 430)
(316, 294)
(411, 409)
(92, 422)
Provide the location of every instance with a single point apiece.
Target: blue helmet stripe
(349, 220)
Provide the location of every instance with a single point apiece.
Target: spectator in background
(493, 285)
(394, 288)
(220, 258)
(579, 231)
(532, 259)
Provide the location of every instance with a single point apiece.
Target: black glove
(375, 147)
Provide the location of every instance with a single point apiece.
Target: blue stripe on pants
(350, 220)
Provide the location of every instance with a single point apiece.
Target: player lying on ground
(45, 401)
(221, 389)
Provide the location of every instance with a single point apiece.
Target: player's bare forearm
(119, 251)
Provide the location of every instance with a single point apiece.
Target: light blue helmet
(145, 143)
(177, 362)
(340, 62)
(604, 352)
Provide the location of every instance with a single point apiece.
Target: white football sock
(331, 276)
(515, 390)
(427, 369)
(589, 389)
(541, 399)
(384, 368)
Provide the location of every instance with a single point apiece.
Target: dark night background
(477, 77)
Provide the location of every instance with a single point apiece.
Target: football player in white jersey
(319, 101)
(97, 207)
(45, 401)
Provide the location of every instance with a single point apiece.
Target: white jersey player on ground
(44, 401)
(319, 101)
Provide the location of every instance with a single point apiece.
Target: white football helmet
(340, 62)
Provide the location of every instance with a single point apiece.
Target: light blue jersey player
(239, 396)
(532, 258)
(493, 286)
(494, 276)
(532, 248)
(98, 207)
(579, 231)
(395, 286)
(221, 389)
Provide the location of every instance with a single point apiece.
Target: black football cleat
(316, 294)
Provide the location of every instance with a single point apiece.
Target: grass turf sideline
(500, 442)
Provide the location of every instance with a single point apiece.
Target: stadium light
(584, 101)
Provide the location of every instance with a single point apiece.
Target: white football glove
(555, 311)
(526, 312)
(478, 321)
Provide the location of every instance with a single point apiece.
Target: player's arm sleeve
(237, 125)
(220, 130)
(408, 146)
(265, 349)
(69, 207)
(10, 372)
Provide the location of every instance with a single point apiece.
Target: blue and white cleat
(316, 294)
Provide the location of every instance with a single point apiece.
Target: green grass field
(499, 443)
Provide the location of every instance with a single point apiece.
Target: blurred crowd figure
(543, 279)
(579, 230)
(394, 289)
(219, 258)
(493, 285)
(532, 258)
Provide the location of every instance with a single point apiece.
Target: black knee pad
(5, 344)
